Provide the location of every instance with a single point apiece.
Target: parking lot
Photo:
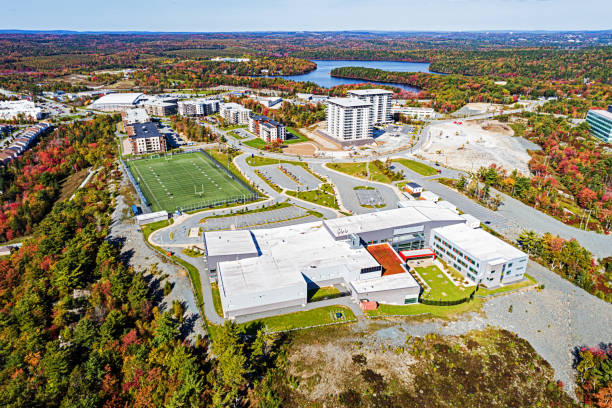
(249, 220)
(302, 176)
(276, 176)
(244, 133)
(370, 197)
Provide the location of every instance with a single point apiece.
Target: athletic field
(185, 181)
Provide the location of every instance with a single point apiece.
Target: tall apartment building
(145, 138)
(349, 119)
(160, 107)
(600, 123)
(198, 107)
(266, 128)
(234, 113)
(380, 100)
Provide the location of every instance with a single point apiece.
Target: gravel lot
(138, 255)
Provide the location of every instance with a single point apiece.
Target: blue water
(321, 76)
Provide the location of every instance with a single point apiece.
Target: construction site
(469, 145)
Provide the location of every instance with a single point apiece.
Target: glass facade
(600, 123)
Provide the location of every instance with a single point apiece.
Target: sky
(305, 15)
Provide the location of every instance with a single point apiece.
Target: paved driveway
(346, 187)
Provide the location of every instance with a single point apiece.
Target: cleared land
(474, 144)
(185, 181)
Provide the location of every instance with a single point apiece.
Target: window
(408, 301)
(371, 269)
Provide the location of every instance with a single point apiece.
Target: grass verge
(320, 197)
(322, 293)
(216, 298)
(417, 167)
(307, 318)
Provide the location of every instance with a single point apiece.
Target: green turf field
(187, 181)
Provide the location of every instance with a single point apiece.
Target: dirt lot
(346, 366)
(471, 145)
(302, 149)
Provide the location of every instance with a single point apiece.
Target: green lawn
(232, 127)
(352, 169)
(222, 157)
(419, 308)
(216, 298)
(325, 292)
(256, 143)
(446, 311)
(376, 174)
(185, 181)
(364, 188)
(361, 170)
(319, 196)
(299, 138)
(417, 167)
(441, 287)
(323, 315)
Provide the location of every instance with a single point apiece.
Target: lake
(321, 77)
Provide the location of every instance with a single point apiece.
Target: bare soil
(345, 366)
(71, 183)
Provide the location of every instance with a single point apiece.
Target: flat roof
(387, 258)
(377, 91)
(137, 115)
(375, 221)
(144, 130)
(417, 253)
(439, 214)
(397, 281)
(414, 185)
(285, 253)
(229, 243)
(478, 242)
(601, 112)
(152, 215)
(349, 102)
(417, 203)
(126, 98)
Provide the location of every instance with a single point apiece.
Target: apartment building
(198, 107)
(349, 119)
(145, 138)
(160, 107)
(234, 113)
(380, 100)
(413, 112)
(266, 128)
